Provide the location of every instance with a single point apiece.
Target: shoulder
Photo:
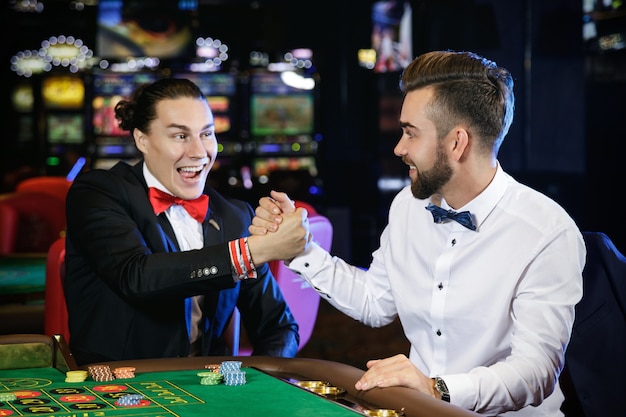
(535, 208)
(120, 173)
(120, 180)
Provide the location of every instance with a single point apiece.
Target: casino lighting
(27, 6)
(299, 58)
(211, 53)
(259, 59)
(392, 184)
(296, 80)
(367, 58)
(69, 52)
(57, 51)
(132, 64)
(27, 63)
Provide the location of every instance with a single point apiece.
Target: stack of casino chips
(101, 373)
(5, 397)
(210, 378)
(124, 372)
(213, 367)
(232, 373)
(129, 400)
(76, 376)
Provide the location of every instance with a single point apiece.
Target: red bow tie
(161, 201)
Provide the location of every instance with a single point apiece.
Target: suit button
(206, 271)
(214, 270)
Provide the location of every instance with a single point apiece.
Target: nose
(400, 149)
(197, 148)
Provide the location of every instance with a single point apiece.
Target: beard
(431, 181)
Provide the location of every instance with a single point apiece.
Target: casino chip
(237, 377)
(210, 378)
(213, 367)
(232, 373)
(129, 400)
(124, 372)
(227, 366)
(228, 372)
(76, 376)
(101, 373)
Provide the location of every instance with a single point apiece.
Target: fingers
(283, 201)
(288, 241)
(261, 225)
(268, 207)
(394, 371)
(268, 213)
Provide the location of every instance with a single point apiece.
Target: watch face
(441, 386)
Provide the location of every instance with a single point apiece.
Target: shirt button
(306, 264)
(438, 332)
(440, 286)
(453, 242)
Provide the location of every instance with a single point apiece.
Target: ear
(140, 140)
(461, 143)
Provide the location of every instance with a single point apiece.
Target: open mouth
(191, 172)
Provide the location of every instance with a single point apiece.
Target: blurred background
(305, 95)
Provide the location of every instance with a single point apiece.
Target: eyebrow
(186, 128)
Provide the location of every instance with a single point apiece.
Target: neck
(467, 184)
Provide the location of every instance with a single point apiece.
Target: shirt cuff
(462, 390)
(240, 258)
(311, 259)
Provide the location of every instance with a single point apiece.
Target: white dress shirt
(189, 236)
(490, 311)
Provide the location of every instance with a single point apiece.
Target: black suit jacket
(594, 378)
(126, 280)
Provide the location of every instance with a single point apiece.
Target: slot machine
(282, 133)
(63, 99)
(110, 143)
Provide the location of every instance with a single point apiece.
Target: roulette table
(180, 387)
(172, 387)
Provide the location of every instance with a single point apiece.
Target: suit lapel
(168, 236)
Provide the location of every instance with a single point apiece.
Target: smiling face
(180, 147)
(420, 148)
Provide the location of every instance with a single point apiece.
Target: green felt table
(22, 277)
(44, 391)
(273, 390)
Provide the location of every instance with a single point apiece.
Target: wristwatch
(442, 388)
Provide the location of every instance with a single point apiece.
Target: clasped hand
(278, 210)
(268, 241)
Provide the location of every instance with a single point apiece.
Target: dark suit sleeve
(595, 358)
(269, 323)
(113, 232)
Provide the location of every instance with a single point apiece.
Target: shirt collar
(151, 180)
(484, 203)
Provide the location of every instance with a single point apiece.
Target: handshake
(279, 231)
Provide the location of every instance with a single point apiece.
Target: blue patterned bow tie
(441, 215)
